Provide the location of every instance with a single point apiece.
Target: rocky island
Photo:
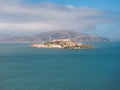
(62, 43)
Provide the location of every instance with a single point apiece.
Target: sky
(26, 17)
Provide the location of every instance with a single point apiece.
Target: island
(62, 43)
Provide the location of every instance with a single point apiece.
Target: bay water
(26, 68)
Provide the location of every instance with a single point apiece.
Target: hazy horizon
(27, 17)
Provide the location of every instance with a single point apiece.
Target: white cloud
(19, 16)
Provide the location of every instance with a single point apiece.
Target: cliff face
(57, 35)
(62, 43)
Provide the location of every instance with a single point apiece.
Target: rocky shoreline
(62, 43)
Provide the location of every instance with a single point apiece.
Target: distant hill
(63, 34)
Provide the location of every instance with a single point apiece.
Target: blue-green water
(25, 68)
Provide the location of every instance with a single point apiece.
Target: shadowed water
(25, 68)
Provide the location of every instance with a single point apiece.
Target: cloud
(16, 15)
